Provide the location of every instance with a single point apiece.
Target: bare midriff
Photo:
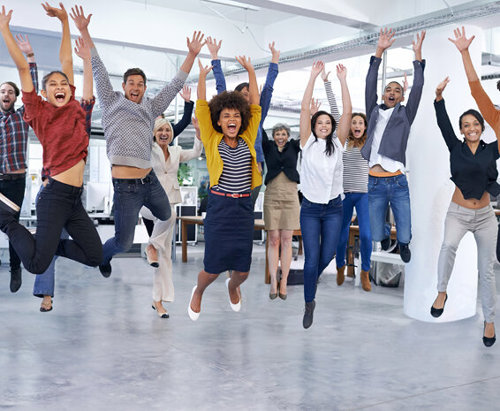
(129, 172)
(472, 203)
(378, 171)
(72, 176)
(20, 171)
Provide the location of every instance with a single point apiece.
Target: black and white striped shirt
(236, 174)
(355, 171)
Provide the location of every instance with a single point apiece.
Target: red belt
(232, 195)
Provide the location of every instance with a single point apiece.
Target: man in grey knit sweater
(128, 120)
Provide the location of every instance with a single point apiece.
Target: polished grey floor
(104, 348)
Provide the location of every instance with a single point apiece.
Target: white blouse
(321, 176)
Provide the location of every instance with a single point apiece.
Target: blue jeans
(320, 225)
(393, 191)
(360, 201)
(129, 197)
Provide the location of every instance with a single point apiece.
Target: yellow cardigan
(211, 139)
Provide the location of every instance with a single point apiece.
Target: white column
(430, 186)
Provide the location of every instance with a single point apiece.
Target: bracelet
(30, 54)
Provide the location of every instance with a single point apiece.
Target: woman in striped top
(355, 190)
(228, 126)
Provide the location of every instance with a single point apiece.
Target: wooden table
(197, 220)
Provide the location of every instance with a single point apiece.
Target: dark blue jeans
(59, 206)
(393, 191)
(320, 225)
(129, 197)
(360, 201)
(14, 191)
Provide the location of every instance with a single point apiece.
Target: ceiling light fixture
(232, 3)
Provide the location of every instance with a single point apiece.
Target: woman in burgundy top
(60, 123)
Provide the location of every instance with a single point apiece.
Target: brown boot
(365, 280)
(340, 275)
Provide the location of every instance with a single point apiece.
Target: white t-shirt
(376, 158)
(321, 175)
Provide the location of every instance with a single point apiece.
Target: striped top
(236, 174)
(355, 170)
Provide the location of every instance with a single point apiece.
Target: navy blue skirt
(229, 226)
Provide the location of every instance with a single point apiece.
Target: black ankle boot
(308, 314)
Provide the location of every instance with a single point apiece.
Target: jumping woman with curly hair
(228, 126)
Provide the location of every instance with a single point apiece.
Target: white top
(375, 158)
(166, 171)
(321, 175)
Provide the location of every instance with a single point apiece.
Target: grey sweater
(128, 126)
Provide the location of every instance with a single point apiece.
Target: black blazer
(278, 161)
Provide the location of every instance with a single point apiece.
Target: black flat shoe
(488, 341)
(436, 312)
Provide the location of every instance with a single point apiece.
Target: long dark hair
(330, 147)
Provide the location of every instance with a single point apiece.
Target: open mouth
(134, 95)
(60, 97)
(232, 128)
(357, 133)
(163, 138)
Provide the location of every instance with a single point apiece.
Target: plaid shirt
(14, 134)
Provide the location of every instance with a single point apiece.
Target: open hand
(55, 12)
(204, 70)
(196, 43)
(461, 41)
(81, 49)
(386, 39)
(275, 53)
(324, 74)
(245, 62)
(440, 88)
(5, 18)
(24, 44)
(417, 44)
(317, 67)
(315, 105)
(185, 93)
(213, 47)
(341, 71)
(81, 22)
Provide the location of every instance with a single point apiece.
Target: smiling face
(323, 126)
(230, 122)
(393, 94)
(7, 97)
(57, 90)
(280, 137)
(164, 135)
(134, 88)
(358, 127)
(471, 128)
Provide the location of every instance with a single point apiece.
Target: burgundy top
(61, 131)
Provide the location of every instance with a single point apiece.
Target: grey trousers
(483, 224)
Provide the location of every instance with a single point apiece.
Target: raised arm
(334, 109)
(213, 48)
(442, 118)
(490, 113)
(202, 81)
(267, 90)
(15, 52)
(418, 78)
(194, 46)
(345, 119)
(178, 128)
(197, 149)
(82, 50)
(253, 88)
(25, 47)
(305, 109)
(65, 52)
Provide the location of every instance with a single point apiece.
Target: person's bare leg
(237, 278)
(204, 280)
(439, 301)
(273, 253)
(489, 330)
(286, 258)
(159, 307)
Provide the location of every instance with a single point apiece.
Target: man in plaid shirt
(13, 144)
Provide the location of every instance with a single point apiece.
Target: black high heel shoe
(488, 341)
(436, 312)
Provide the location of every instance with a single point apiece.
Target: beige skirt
(281, 204)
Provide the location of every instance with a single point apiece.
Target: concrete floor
(104, 348)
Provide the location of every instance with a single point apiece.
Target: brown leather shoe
(340, 275)
(365, 280)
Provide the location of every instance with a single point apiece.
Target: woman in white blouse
(166, 160)
(321, 184)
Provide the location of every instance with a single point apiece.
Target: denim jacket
(395, 137)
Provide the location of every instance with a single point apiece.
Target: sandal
(46, 307)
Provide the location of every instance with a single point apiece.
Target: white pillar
(430, 186)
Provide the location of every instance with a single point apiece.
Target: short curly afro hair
(231, 100)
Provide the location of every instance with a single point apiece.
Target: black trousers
(14, 191)
(59, 206)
